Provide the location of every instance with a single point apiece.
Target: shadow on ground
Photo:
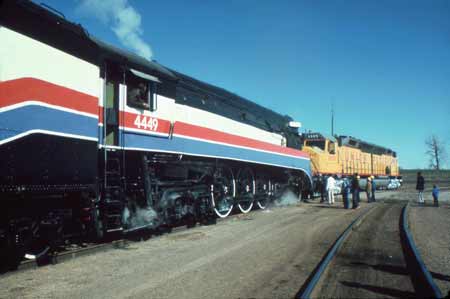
(384, 267)
(380, 290)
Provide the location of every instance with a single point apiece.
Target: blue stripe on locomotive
(35, 117)
(202, 148)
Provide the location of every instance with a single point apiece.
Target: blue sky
(384, 65)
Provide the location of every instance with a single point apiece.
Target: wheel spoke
(263, 192)
(245, 190)
(223, 191)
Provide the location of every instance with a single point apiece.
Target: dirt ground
(265, 254)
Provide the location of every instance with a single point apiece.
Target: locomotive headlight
(295, 124)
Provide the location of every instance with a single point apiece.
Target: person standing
(320, 187)
(374, 188)
(324, 188)
(331, 185)
(346, 193)
(435, 194)
(301, 191)
(420, 186)
(355, 191)
(369, 189)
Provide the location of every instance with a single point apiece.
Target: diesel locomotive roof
(365, 146)
(351, 142)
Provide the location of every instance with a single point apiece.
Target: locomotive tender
(96, 140)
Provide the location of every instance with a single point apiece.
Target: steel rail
(421, 278)
(313, 279)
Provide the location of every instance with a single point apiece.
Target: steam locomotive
(95, 140)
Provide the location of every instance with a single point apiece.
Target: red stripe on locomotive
(28, 89)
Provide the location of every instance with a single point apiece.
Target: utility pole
(332, 120)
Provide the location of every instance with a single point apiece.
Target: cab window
(331, 148)
(141, 93)
(316, 143)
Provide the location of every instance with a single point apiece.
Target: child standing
(435, 194)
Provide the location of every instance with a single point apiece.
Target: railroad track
(374, 256)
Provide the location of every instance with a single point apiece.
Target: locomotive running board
(114, 230)
(133, 229)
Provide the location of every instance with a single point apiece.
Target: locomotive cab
(324, 152)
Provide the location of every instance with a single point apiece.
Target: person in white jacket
(331, 185)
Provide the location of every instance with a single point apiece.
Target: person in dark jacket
(138, 96)
(355, 191)
(321, 187)
(345, 188)
(374, 188)
(324, 187)
(420, 186)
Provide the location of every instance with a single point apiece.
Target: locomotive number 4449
(147, 123)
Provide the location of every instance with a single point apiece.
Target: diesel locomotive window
(141, 93)
(331, 148)
(317, 143)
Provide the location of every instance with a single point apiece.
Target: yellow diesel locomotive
(346, 155)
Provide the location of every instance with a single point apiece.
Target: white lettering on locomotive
(150, 124)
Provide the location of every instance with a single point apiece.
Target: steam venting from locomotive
(287, 198)
(137, 217)
(123, 19)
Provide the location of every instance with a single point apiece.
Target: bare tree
(436, 152)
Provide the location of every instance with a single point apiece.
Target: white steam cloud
(138, 217)
(123, 19)
(287, 198)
